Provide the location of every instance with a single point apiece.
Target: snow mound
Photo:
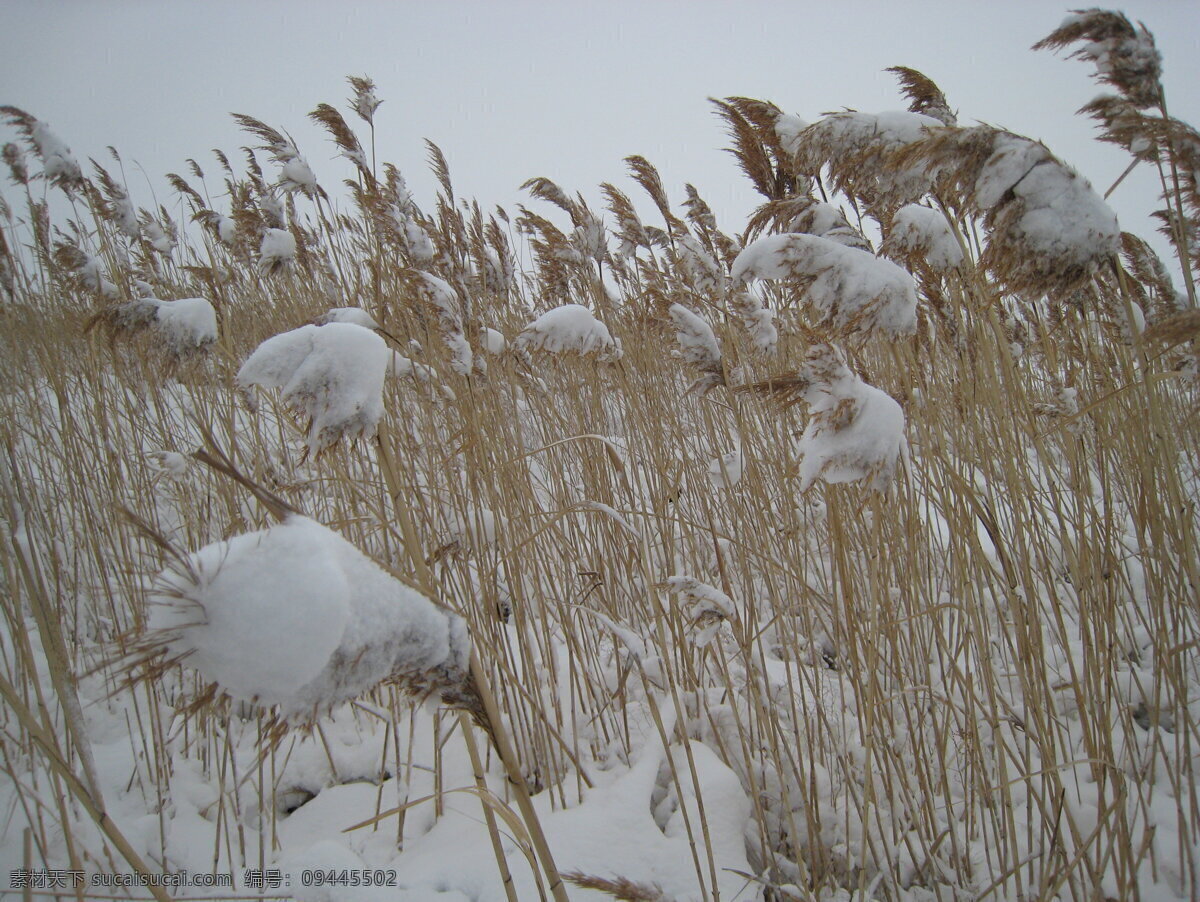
(297, 176)
(787, 130)
(851, 289)
(296, 616)
(1061, 217)
(570, 329)
(226, 230)
(1048, 230)
(332, 374)
(828, 221)
(705, 599)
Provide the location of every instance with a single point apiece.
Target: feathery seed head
(364, 102)
(1125, 56)
(924, 95)
(15, 160)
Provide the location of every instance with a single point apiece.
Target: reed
(929, 631)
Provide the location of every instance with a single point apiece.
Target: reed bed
(961, 664)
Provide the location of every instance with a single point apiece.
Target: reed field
(364, 546)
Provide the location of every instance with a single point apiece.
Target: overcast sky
(511, 90)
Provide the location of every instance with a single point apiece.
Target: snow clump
(853, 146)
(59, 165)
(922, 233)
(855, 431)
(709, 606)
(296, 616)
(725, 472)
(441, 297)
(699, 348)
(277, 250)
(759, 321)
(181, 327)
(570, 329)
(851, 289)
(332, 374)
(354, 315)
(493, 342)
(187, 324)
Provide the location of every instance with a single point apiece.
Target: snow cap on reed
(332, 374)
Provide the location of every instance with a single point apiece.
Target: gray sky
(563, 90)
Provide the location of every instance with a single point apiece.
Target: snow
(278, 248)
(187, 323)
(703, 597)
(1012, 158)
(865, 450)
(181, 327)
(158, 238)
(91, 274)
(830, 222)
(438, 292)
(695, 337)
(788, 129)
(401, 366)
(296, 616)
(854, 130)
(226, 229)
(1061, 218)
(851, 289)
(725, 472)
(1064, 219)
(699, 348)
(613, 833)
(477, 529)
(925, 231)
(297, 176)
(354, 315)
(170, 463)
(1124, 56)
(264, 613)
(855, 431)
(126, 215)
(420, 246)
(58, 163)
(332, 374)
(699, 266)
(569, 329)
(494, 342)
(757, 320)
(273, 210)
(589, 237)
